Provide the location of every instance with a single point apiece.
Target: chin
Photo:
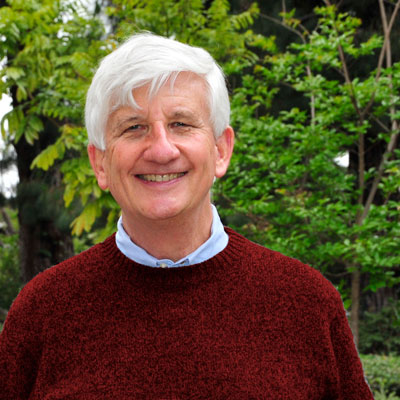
(163, 212)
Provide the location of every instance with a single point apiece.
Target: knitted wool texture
(249, 323)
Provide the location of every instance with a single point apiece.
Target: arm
(352, 383)
(19, 348)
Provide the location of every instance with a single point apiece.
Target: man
(174, 306)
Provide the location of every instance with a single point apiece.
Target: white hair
(144, 59)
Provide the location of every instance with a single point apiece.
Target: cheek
(121, 168)
(118, 159)
(210, 159)
(111, 167)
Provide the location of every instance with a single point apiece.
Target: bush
(383, 375)
(380, 332)
(10, 282)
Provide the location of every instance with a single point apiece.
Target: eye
(135, 127)
(134, 131)
(182, 127)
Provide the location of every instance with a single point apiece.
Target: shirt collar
(214, 244)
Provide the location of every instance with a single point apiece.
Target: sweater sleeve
(20, 347)
(352, 382)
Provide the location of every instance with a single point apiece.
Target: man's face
(161, 159)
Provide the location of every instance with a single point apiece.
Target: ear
(96, 157)
(224, 145)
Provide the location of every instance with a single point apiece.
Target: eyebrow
(184, 114)
(126, 120)
(134, 119)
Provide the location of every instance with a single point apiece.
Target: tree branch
(9, 226)
(389, 58)
(380, 123)
(389, 150)
(394, 128)
(387, 31)
(346, 73)
(303, 39)
(281, 23)
(361, 139)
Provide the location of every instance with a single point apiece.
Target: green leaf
(14, 73)
(86, 219)
(46, 158)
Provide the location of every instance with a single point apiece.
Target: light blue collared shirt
(215, 244)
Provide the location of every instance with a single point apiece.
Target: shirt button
(163, 265)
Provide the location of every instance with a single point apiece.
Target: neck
(172, 238)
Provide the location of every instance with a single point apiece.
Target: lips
(160, 177)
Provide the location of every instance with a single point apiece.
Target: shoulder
(281, 274)
(64, 279)
(76, 267)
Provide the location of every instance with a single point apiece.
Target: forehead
(185, 86)
(183, 95)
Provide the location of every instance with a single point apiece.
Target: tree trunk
(44, 240)
(41, 247)
(355, 303)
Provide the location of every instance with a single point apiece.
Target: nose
(160, 148)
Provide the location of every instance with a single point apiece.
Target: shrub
(383, 374)
(380, 332)
(10, 282)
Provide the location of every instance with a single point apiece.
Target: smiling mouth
(160, 178)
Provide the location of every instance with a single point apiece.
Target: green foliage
(10, 282)
(39, 203)
(286, 188)
(381, 395)
(380, 332)
(48, 62)
(226, 36)
(51, 49)
(382, 373)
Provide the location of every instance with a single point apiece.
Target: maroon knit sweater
(248, 324)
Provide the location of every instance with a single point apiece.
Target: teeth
(160, 178)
